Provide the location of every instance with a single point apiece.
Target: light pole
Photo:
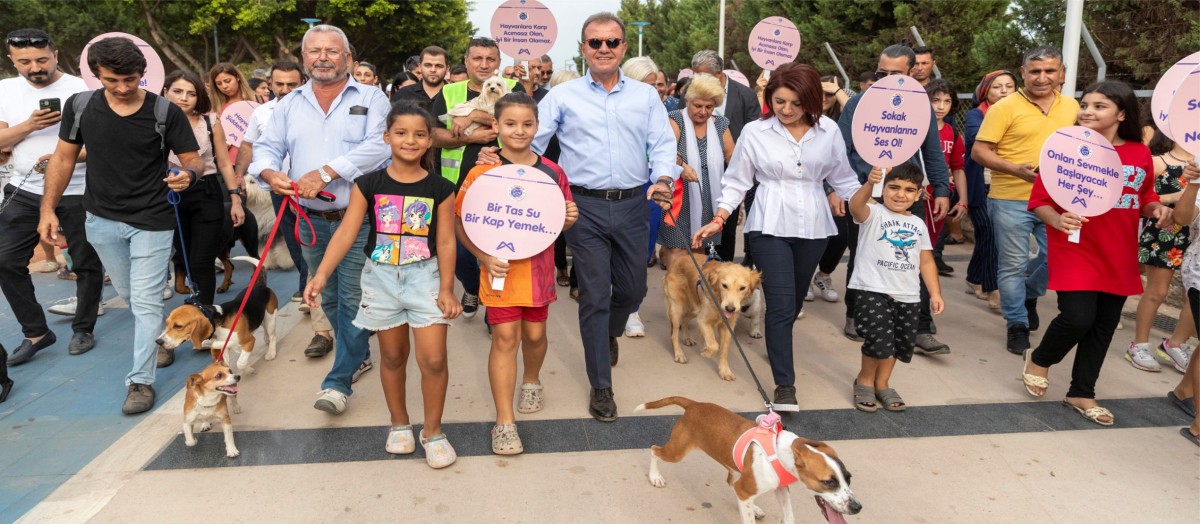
(641, 26)
(310, 21)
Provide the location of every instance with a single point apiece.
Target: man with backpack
(128, 134)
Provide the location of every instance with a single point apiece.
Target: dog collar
(766, 435)
(209, 312)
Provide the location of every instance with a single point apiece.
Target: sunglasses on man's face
(612, 43)
(24, 41)
(880, 75)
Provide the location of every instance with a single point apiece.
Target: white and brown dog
(190, 322)
(717, 431)
(493, 88)
(733, 284)
(211, 394)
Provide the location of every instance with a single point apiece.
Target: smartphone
(53, 104)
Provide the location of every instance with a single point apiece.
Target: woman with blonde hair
(704, 145)
(226, 85)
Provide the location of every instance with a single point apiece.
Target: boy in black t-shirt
(129, 220)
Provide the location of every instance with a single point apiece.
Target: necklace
(1177, 159)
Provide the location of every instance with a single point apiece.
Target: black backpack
(161, 106)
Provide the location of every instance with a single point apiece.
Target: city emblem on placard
(897, 100)
(1085, 151)
(516, 192)
(523, 16)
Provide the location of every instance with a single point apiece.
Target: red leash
(294, 202)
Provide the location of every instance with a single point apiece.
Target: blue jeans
(1019, 278)
(136, 261)
(287, 227)
(340, 300)
(466, 269)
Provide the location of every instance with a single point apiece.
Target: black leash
(712, 295)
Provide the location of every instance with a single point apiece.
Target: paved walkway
(973, 447)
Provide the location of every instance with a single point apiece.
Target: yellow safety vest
(455, 94)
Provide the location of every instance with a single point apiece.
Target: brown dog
(715, 431)
(687, 299)
(188, 322)
(210, 394)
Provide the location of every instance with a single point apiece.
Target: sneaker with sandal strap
(506, 440)
(438, 451)
(532, 399)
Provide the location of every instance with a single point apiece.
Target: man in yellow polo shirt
(1009, 143)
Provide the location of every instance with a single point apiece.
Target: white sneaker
(808, 297)
(1141, 356)
(634, 327)
(331, 401)
(67, 307)
(824, 285)
(167, 291)
(1174, 356)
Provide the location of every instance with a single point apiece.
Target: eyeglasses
(612, 43)
(26, 41)
(316, 53)
(880, 75)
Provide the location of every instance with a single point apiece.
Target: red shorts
(504, 315)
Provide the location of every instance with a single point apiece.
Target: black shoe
(318, 347)
(785, 399)
(613, 350)
(81, 343)
(1018, 339)
(139, 399)
(6, 384)
(602, 406)
(470, 305)
(1031, 312)
(25, 352)
(943, 268)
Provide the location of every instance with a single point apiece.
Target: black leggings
(836, 246)
(1086, 321)
(201, 216)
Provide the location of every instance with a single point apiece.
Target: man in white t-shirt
(30, 114)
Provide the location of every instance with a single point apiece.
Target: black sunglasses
(594, 43)
(25, 41)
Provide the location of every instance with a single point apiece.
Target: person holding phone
(30, 115)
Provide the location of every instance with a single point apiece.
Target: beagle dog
(200, 323)
(211, 394)
(779, 458)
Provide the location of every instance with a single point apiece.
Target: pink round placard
(152, 81)
(1164, 91)
(513, 212)
(1081, 170)
(235, 120)
(1183, 113)
(774, 41)
(524, 29)
(891, 121)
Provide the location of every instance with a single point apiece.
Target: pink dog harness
(765, 434)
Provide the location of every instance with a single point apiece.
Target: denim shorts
(396, 295)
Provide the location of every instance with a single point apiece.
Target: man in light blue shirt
(608, 125)
(332, 129)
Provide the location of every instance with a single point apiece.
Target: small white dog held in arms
(493, 88)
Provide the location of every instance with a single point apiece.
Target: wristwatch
(239, 192)
(325, 177)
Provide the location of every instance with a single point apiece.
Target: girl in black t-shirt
(408, 278)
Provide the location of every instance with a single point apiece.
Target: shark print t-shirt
(889, 254)
(402, 216)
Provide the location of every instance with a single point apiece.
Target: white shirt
(256, 129)
(18, 100)
(790, 201)
(889, 254)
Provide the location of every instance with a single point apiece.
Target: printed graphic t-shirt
(1106, 257)
(402, 216)
(530, 282)
(889, 254)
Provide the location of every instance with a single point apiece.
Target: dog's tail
(682, 402)
(262, 276)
